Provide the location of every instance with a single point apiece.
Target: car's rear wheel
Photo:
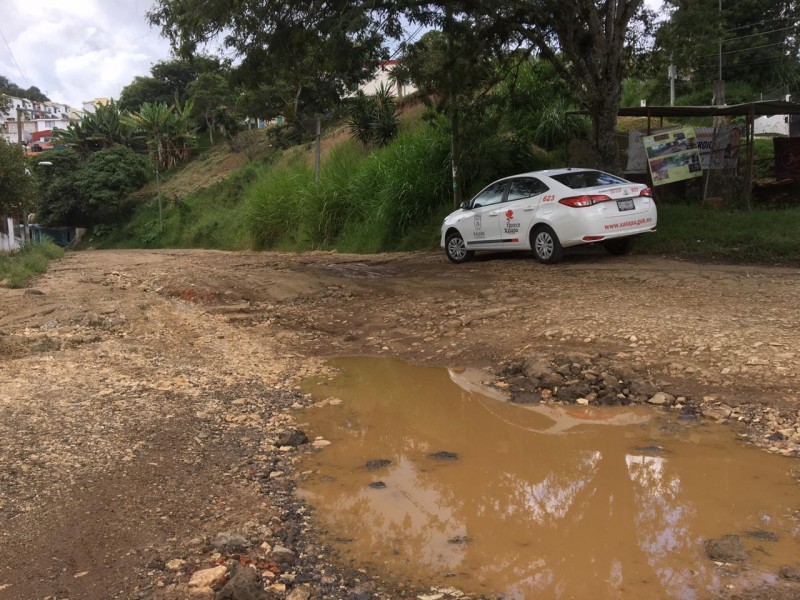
(545, 245)
(619, 246)
(456, 248)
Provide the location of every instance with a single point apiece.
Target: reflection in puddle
(543, 501)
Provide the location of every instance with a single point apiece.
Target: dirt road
(142, 393)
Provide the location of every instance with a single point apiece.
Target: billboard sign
(673, 156)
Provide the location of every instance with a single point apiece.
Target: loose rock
(728, 548)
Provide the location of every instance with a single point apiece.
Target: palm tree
(169, 130)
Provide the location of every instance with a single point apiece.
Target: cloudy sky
(76, 50)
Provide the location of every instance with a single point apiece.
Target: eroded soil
(142, 393)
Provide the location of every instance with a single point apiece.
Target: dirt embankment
(143, 393)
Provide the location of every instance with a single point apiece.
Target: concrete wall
(7, 240)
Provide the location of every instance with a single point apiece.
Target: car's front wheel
(619, 246)
(545, 245)
(456, 248)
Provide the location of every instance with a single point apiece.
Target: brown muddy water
(541, 501)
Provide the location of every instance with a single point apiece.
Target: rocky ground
(145, 447)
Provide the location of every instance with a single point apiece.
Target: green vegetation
(363, 202)
(761, 235)
(17, 268)
(372, 199)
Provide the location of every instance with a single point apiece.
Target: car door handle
(494, 214)
(528, 209)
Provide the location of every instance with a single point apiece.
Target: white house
(383, 75)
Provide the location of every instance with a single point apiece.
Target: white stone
(176, 564)
(582, 401)
(661, 398)
(719, 412)
(320, 443)
(207, 577)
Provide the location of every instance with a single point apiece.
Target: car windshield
(587, 179)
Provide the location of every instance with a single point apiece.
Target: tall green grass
(364, 201)
(760, 235)
(19, 267)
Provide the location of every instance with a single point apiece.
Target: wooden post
(318, 155)
(750, 139)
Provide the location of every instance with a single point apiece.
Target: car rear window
(586, 179)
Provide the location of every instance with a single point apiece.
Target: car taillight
(583, 201)
(646, 192)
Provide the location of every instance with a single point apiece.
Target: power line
(785, 18)
(405, 41)
(741, 37)
(742, 50)
(715, 38)
(14, 58)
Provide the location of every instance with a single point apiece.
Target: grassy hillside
(367, 199)
(392, 198)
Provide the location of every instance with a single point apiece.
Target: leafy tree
(106, 179)
(75, 192)
(302, 56)
(15, 183)
(758, 39)
(167, 83)
(585, 40)
(12, 89)
(322, 47)
(212, 99)
(143, 89)
(59, 199)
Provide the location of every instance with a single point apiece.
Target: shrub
(17, 269)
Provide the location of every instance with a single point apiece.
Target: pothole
(433, 479)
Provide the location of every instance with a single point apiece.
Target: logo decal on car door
(477, 221)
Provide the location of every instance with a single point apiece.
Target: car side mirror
(465, 205)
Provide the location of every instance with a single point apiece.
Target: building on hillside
(384, 74)
(21, 119)
(89, 106)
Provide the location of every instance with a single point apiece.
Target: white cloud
(76, 50)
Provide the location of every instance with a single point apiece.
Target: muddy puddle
(431, 480)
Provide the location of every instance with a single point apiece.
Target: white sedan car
(547, 211)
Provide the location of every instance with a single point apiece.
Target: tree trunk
(210, 125)
(455, 151)
(605, 138)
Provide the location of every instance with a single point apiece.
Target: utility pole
(719, 85)
(455, 133)
(672, 76)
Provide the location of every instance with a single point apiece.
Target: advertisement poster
(673, 156)
(719, 147)
(787, 158)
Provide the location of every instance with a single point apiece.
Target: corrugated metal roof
(766, 108)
